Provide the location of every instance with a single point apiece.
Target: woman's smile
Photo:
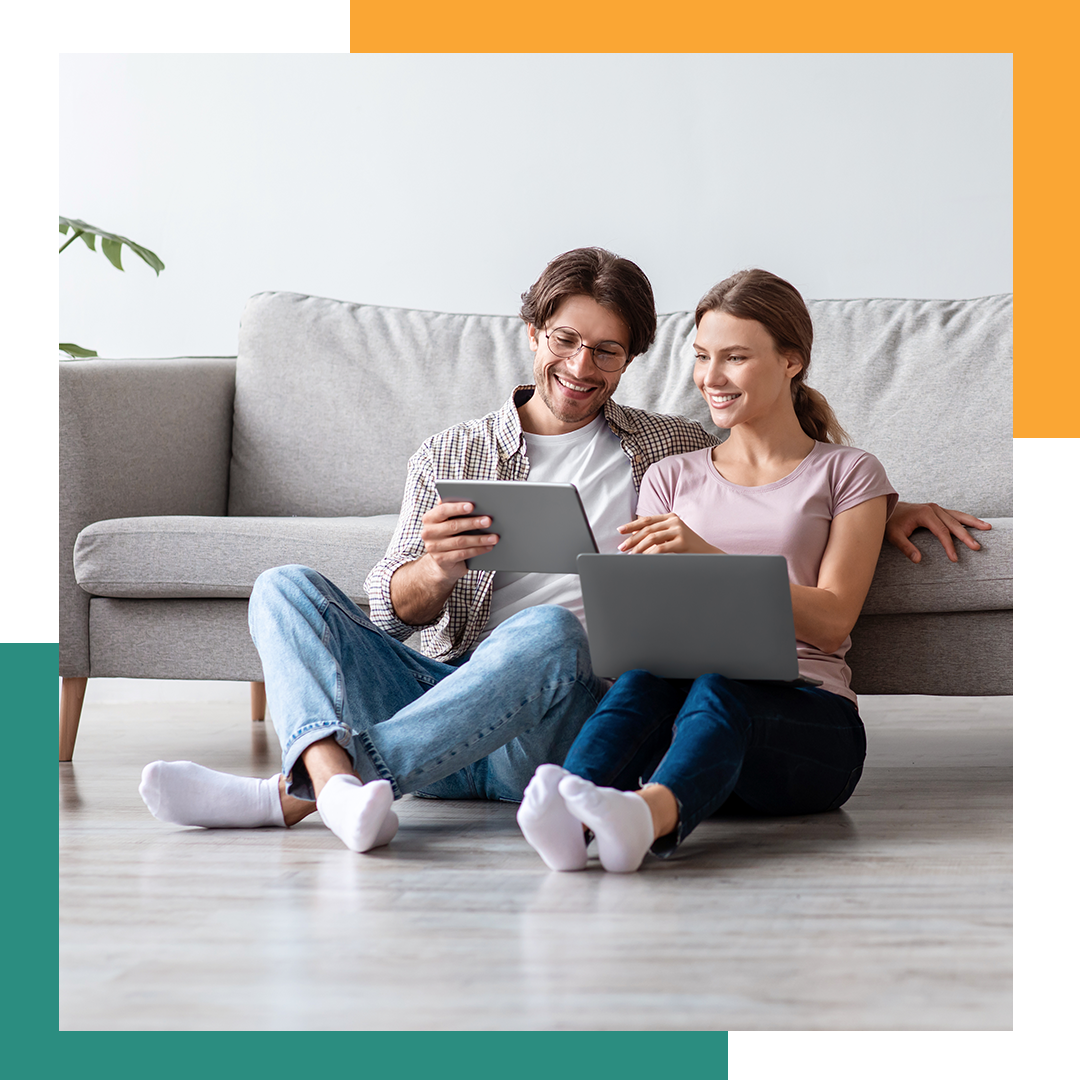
(721, 400)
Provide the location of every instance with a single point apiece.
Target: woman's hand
(663, 533)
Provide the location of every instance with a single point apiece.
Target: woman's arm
(825, 615)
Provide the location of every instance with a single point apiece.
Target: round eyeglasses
(565, 341)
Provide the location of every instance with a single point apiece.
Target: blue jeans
(777, 749)
(473, 729)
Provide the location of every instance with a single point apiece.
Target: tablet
(542, 527)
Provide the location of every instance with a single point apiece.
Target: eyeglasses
(565, 341)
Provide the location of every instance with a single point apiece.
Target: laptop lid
(680, 616)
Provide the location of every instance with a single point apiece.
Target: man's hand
(944, 524)
(663, 533)
(419, 589)
(447, 541)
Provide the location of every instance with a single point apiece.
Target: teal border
(315, 26)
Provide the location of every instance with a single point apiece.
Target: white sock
(184, 793)
(621, 821)
(549, 827)
(387, 830)
(356, 813)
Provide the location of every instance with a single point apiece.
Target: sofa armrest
(137, 437)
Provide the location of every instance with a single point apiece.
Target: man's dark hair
(614, 283)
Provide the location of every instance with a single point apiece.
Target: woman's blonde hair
(779, 307)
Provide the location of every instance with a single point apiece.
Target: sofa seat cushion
(220, 557)
(979, 581)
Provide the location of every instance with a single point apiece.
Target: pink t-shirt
(790, 517)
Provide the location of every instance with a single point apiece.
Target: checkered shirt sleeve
(486, 449)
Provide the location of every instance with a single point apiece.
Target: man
(502, 680)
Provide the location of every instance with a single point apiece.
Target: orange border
(688, 26)
(1045, 221)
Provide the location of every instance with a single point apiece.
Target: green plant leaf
(111, 250)
(76, 352)
(110, 243)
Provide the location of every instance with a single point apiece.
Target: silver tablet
(542, 528)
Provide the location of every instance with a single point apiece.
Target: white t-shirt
(593, 460)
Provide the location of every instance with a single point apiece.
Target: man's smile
(574, 387)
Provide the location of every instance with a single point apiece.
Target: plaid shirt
(493, 448)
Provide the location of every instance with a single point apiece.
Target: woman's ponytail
(815, 413)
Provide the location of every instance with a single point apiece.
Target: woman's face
(738, 370)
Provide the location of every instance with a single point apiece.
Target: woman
(782, 483)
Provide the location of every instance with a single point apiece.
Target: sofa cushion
(979, 581)
(925, 385)
(220, 557)
(178, 557)
(333, 397)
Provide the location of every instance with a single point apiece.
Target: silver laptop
(680, 616)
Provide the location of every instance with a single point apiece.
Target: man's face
(570, 392)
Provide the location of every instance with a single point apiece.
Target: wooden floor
(894, 913)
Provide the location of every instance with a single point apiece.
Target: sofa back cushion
(332, 398)
(925, 385)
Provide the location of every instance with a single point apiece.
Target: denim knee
(280, 586)
(552, 620)
(551, 616)
(555, 627)
(639, 681)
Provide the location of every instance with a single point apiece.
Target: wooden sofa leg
(71, 701)
(258, 701)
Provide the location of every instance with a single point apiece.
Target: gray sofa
(182, 479)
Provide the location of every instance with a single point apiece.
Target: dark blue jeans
(778, 749)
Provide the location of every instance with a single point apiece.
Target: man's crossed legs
(363, 719)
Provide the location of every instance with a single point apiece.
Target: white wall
(447, 181)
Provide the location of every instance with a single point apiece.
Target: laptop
(681, 616)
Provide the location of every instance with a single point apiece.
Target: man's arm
(944, 524)
(419, 589)
(420, 596)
